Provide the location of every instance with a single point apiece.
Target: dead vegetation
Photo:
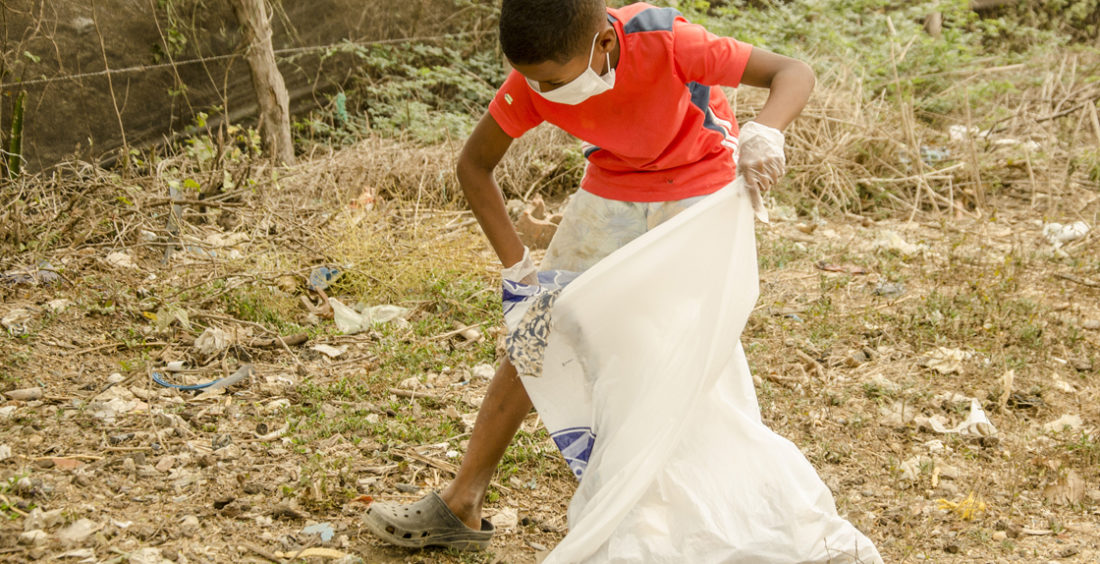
(911, 273)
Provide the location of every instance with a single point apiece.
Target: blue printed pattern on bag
(575, 445)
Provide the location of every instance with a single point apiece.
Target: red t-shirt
(665, 131)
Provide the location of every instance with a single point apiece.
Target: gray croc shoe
(427, 522)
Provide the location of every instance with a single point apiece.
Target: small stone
(221, 441)
(39, 519)
(1069, 551)
(252, 488)
(115, 378)
(25, 486)
(407, 488)
(485, 371)
(189, 525)
(221, 502)
(534, 232)
(231, 452)
(147, 555)
(951, 548)
(537, 546)
(1091, 324)
(5, 452)
(232, 510)
(165, 463)
(890, 289)
(33, 537)
(25, 394)
(119, 438)
(999, 536)
(505, 519)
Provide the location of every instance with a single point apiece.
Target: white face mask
(583, 87)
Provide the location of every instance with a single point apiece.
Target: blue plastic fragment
(322, 277)
(323, 529)
(241, 373)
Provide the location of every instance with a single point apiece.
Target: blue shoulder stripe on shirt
(652, 19)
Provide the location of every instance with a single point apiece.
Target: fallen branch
(444, 466)
(292, 340)
(412, 394)
(1078, 280)
(115, 346)
(186, 202)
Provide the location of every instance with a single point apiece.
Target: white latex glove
(523, 272)
(762, 162)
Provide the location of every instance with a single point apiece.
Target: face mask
(583, 87)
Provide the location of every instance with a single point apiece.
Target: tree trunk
(266, 80)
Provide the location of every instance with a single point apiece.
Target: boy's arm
(790, 82)
(762, 161)
(483, 150)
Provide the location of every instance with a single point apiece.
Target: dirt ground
(871, 343)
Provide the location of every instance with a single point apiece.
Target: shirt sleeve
(706, 58)
(512, 108)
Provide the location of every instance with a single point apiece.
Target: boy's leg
(591, 229)
(501, 413)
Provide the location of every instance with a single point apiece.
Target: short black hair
(537, 31)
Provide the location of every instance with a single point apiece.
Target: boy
(640, 86)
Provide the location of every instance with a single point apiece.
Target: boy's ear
(606, 40)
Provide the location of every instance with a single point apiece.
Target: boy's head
(539, 31)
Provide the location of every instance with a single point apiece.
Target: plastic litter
(1058, 235)
(211, 342)
(946, 360)
(890, 240)
(44, 274)
(324, 530)
(242, 373)
(120, 259)
(1067, 421)
(59, 305)
(78, 531)
(329, 350)
(890, 289)
(646, 390)
(976, 424)
(16, 320)
(350, 321)
(322, 277)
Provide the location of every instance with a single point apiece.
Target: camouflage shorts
(593, 227)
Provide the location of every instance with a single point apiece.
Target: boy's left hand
(762, 161)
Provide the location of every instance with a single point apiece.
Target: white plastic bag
(646, 390)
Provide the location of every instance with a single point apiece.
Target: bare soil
(865, 331)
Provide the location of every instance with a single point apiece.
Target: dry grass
(987, 284)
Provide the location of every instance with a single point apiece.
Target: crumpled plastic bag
(643, 385)
(976, 424)
(351, 322)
